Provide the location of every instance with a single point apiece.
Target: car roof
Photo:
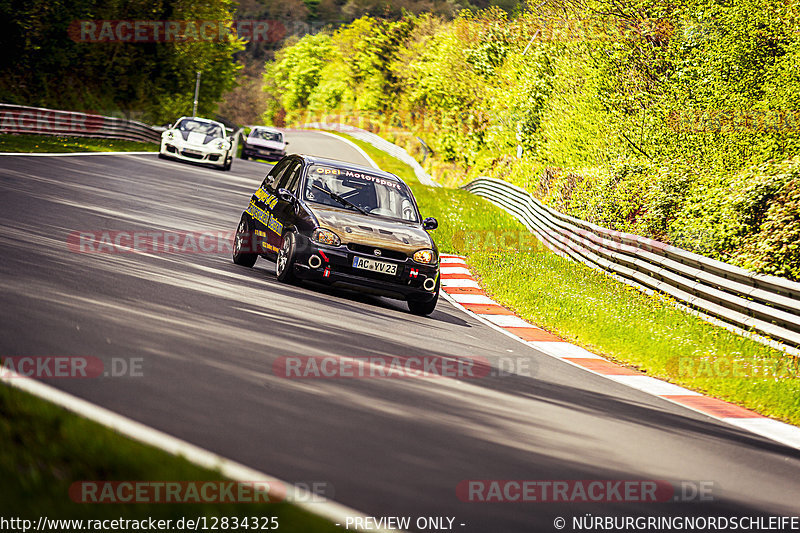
(201, 119)
(266, 128)
(312, 159)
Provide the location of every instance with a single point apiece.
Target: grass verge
(46, 449)
(588, 308)
(59, 144)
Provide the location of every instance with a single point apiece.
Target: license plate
(375, 266)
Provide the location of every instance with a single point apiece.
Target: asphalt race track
(208, 332)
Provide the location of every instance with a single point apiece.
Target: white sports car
(199, 140)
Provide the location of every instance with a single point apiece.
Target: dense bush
(44, 63)
(678, 121)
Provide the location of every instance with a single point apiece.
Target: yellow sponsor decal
(257, 213)
(275, 226)
(267, 198)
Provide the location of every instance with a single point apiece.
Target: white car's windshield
(196, 126)
(372, 194)
(267, 135)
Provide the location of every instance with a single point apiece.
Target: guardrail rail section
(41, 121)
(722, 293)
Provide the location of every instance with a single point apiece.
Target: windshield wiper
(339, 199)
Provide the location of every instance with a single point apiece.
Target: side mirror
(286, 195)
(286, 143)
(430, 223)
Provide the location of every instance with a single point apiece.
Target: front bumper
(262, 153)
(336, 269)
(194, 154)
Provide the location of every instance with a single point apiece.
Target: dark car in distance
(344, 225)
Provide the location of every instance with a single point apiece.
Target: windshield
(372, 194)
(267, 135)
(195, 126)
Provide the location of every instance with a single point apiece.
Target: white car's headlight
(222, 145)
(324, 236)
(424, 256)
(168, 134)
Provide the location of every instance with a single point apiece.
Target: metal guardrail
(379, 143)
(41, 121)
(727, 295)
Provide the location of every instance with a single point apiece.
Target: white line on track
(352, 144)
(313, 503)
(775, 430)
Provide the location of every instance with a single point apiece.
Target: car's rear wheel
(422, 308)
(284, 263)
(243, 244)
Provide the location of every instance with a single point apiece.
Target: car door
(282, 212)
(261, 204)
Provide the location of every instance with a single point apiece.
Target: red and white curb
(461, 289)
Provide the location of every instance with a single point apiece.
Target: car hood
(372, 230)
(198, 139)
(275, 145)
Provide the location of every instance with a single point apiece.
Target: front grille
(370, 251)
(192, 155)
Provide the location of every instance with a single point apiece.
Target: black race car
(345, 225)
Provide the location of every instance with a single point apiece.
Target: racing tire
(421, 308)
(284, 263)
(243, 243)
(228, 163)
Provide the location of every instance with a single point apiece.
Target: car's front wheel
(284, 264)
(422, 308)
(228, 163)
(243, 244)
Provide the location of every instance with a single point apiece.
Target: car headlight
(222, 145)
(168, 134)
(424, 256)
(324, 236)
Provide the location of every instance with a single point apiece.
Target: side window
(286, 179)
(293, 177)
(277, 172)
